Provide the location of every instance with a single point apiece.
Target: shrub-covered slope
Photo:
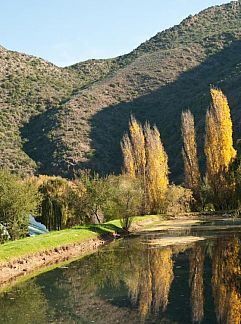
(59, 120)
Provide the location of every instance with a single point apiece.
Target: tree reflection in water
(226, 280)
(133, 282)
(26, 304)
(150, 283)
(196, 260)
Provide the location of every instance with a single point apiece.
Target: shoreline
(12, 270)
(28, 264)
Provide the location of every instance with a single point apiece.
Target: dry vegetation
(57, 120)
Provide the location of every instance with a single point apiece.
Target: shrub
(17, 200)
(178, 199)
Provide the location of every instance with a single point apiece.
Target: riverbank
(23, 257)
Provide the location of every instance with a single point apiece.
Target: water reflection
(25, 304)
(226, 280)
(196, 283)
(132, 282)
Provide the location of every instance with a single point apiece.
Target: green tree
(56, 207)
(94, 193)
(18, 199)
(125, 199)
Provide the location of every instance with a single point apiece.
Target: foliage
(146, 160)
(94, 194)
(49, 125)
(178, 200)
(17, 200)
(156, 172)
(219, 148)
(56, 206)
(125, 199)
(189, 152)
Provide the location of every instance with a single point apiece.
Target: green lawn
(30, 245)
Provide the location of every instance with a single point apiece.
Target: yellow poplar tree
(219, 149)
(189, 152)
(138, 147)
(156, 169)
(145, 158)
(128, 156)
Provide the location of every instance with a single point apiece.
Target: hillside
(57, 120)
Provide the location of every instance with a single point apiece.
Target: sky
(68, 31)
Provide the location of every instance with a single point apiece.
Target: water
(137, 280)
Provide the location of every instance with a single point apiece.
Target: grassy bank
(30, 245)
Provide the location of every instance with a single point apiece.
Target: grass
(30, 245)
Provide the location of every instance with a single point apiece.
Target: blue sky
(69, 31)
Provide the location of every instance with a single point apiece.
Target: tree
(54, 206)
(219, 149)
(124, 200)
(189, 152)
(134, 155)
(137, 140)
(145, 159)
(17, 200)
(94, 195)
(128, 156)
(156, 169)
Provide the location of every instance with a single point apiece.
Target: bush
(17, 200)
(178, 199)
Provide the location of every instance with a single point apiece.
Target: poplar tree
(134, 155)
(137, 140)
(219, 149)
(145, 158)
(128, 156)
(156, 169)
(189, 152)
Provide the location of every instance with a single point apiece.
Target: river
(186, 273)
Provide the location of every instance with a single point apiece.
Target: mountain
(56, 120)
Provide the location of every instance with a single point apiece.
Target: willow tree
(219, 149)
(54, 207)
(145, 159)
(189, 152)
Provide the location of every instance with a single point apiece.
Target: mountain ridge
(74, 117)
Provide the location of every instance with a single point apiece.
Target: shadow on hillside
(163, 107)
(37, 143)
